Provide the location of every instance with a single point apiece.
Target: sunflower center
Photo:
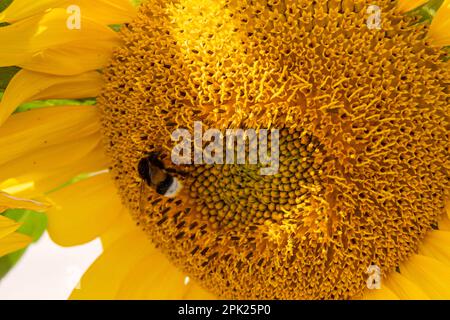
(235, 196)
(363, 116)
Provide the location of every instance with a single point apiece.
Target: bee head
(151, 169)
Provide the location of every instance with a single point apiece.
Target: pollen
(364, 125)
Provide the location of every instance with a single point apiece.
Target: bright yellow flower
(372, 103)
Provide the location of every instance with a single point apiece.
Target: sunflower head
(356, 94)
(364, 120)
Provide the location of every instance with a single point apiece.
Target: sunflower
(364, 126)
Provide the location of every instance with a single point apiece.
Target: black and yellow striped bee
(152, 170)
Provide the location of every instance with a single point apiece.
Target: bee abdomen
(169, 187)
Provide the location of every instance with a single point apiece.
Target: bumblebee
(163, 180)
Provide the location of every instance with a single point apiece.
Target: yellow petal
(432, 276)
(437, 245)
(40, 128)
(83, 210)
(8, 201)
(439, 32)
(385, 293)
(195, 292)
(155, 278)
(22, 40)
(28, 86)
(408, 5)
(403, 288)
(108, 11)
(38, 163)
(72, 58)
(13, 242)
(37, 184)
(20, 9)
(123, 225)
(95, 161)
(444, 223)
(104, 278)
(15, 187)
(7, 226)
(447, 207)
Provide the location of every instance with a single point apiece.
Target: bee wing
(143, 197)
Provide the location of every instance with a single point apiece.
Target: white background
(48, 271)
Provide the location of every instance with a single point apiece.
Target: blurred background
(48, 271)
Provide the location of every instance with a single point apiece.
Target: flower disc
(364, 155)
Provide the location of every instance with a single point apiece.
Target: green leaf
(33, 225)
(4, 4)
(6, 74)
(116, 27)
(55, 102)
(52, 103)
(136, 2)
(428, 10)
